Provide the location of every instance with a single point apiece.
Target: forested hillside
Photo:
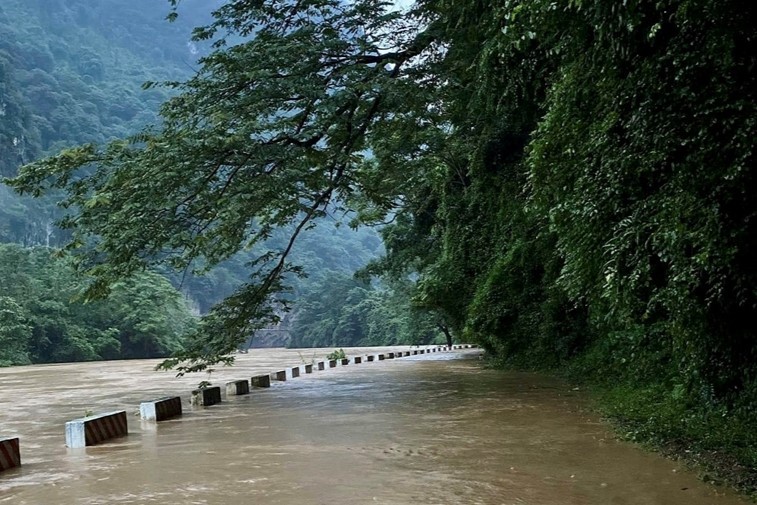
(41, 320)
(72, 72)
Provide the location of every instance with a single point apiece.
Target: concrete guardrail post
(345, 361)
(261, 381)
(309, 368)
(235, 388)
(390, 355)
(295, 372)
(10, 453)
(96, 429)
(358, 360)
(381, 357)
(370, 357)
(160, 409)
(332, 363)
(321, 365)
(281, 375)
(206, 396)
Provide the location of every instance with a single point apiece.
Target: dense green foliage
(241, 153)
(330, 250)
(568, 183)
(342, 311)
(340, 354)
(602, 220)
(43, 321)
(72, 72)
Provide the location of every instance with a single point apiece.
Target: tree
(344, 311)
(273, 130)
(150, 316)
(43, 319)
(15, 333)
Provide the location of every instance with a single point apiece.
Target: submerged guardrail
(93, 430)
(100, 428)
(160, 409)
(10, 453)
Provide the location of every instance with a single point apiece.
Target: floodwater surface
(427, 429)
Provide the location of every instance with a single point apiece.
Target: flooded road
(429, 429)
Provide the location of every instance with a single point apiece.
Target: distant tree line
(44, 320)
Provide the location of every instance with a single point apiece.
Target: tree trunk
(445, 330)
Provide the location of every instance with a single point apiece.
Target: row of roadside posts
(99, 428)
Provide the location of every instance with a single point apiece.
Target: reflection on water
(430, 429)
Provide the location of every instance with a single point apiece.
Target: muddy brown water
(428, 429)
